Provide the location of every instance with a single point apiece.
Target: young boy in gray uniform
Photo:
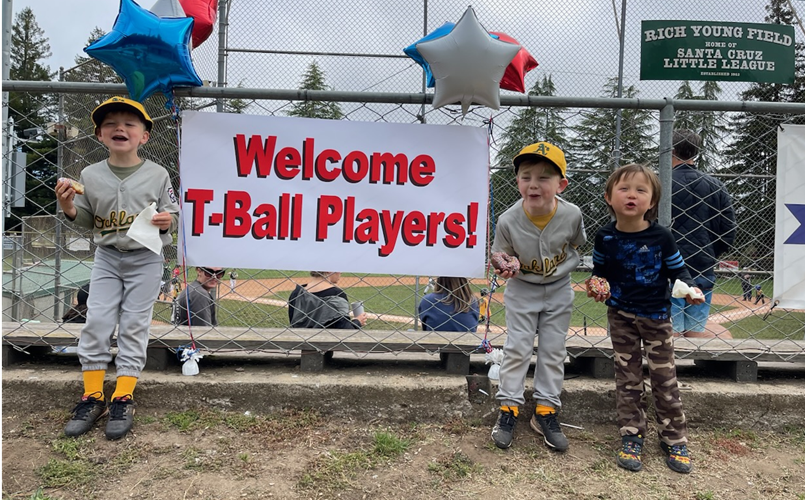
(125, 276)
(543, 232)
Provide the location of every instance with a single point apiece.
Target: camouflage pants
(627, 331)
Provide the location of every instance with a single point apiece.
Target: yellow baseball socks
(93, 383)
(125, 387)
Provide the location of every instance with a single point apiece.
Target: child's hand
(505, 274)
(696, 297)
(599, 293)
(162, 220)
(65, 195)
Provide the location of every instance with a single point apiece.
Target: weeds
(705, 495)
(454, 467)
(337, 470)
(390, 446)
(57, 473)
(40, 495)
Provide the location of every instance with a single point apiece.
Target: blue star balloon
(412, 52)
(149, 53)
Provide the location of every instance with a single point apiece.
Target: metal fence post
(666, 146)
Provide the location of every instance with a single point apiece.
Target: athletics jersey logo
(117, 221)
(172, 195)
(548, 266)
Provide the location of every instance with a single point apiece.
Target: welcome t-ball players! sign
(707, 50)
(333, 195)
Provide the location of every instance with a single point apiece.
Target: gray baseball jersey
(545, 256)
(110, 205)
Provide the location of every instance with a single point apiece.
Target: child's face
(539, 183)
(631, 197)
(122, 132)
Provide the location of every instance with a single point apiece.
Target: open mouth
(119, 138)
(630, 205)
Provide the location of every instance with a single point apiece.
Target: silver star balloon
(467, 64)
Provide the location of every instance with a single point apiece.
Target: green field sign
(709, 50)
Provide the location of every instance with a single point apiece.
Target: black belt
(122, 250)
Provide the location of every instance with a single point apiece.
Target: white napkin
(145, 233)
(682, 290)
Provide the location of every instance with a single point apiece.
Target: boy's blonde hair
(653, 180)
(458, 291)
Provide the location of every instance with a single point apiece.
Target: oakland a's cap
(542, 151)
(120, 104)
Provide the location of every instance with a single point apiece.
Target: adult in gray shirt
(197, 297)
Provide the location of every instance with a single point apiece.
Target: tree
(314, 79)
(592, 150)
(752, 155)
(530, 125)
(710, 125)
(29, 47)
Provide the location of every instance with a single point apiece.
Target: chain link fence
(272, 45)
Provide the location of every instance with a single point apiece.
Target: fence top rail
(411, 98)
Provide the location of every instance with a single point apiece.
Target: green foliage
(389, 446)
(753, 151)
(29, 47)
(708, 124)
(58, 473)
(314, 79)
(40, 495)
(533, 124)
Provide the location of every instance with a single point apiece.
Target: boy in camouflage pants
(636, 258)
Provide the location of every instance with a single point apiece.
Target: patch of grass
(239, 421)
(71, 448)
(780, 324)
(389, 446)
(336, 470)
(705, 495)
(244, 457)
(454, 467)
(183, 421)
(59, 473)
(40, 495)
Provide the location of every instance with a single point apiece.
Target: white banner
(331, 195)
(789, 239)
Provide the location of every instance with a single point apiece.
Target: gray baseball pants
(123, 288)
(532, 310)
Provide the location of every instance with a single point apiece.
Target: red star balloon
(523, 62)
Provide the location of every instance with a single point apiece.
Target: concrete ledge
(398, 394)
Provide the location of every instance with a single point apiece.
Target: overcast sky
(575, 41)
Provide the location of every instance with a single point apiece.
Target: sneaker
(629, 456)
(85, 413)
(121, 417)
(677, 457)
(548, 426)
(503, 431)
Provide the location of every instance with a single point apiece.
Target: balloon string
(176, 115)
(493, 284)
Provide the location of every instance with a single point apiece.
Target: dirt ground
(209, 454)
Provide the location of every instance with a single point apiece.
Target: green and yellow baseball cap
(542, 151)
(120, 104)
